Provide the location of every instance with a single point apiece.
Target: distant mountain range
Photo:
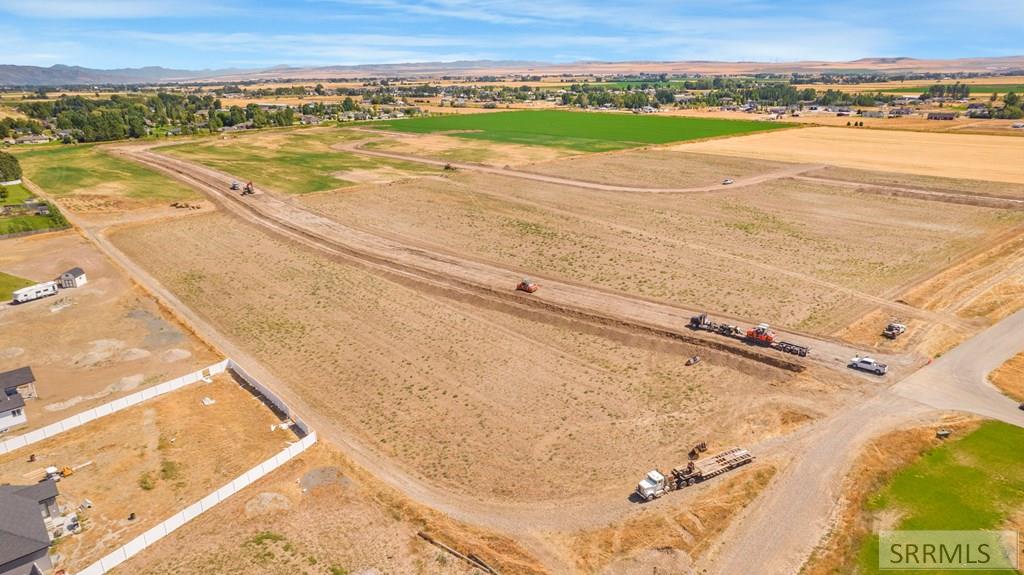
(60, 75)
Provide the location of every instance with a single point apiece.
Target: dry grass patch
(152, 460)
(321, 515)
(1009, 378)
(528, 407)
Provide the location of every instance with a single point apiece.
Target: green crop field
(9, 283)
(973, 483)
(297, 162)
(588, 132)
(62, 170)
(975, 89)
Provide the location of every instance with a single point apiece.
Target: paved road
(789, 519)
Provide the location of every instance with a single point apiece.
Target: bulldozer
(528, 285)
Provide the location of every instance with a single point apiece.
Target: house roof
(11, 402)
(74, 272)
(22, 531)
(16, 377)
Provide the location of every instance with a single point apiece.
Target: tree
(10, 169)
(1012, 99)
(348, 104)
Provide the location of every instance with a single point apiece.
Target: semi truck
(34, 292)
(760, 334)
(655, 483)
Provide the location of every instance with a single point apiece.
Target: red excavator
(761, 334)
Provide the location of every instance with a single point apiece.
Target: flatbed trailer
(655, 483)
(702, 322)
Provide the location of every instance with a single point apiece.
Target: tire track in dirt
(457, 277)
(358, 148)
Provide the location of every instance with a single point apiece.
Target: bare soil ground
(787, 251)
(92, 344)
(152, 459)
(654, 168)
(528, 408)
(960, 156)
(320, 515)
(1010, 378)
(939, 184)
(454, 149)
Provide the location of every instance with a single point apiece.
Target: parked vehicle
(894, 330)
(34, 292)
(655, 483)
(727, 181)
(869, 365)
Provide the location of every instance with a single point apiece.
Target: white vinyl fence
(88, 415)
(196, 509)
(179, 519)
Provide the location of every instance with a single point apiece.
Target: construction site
(527, 359)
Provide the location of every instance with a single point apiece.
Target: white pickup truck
(868, 364)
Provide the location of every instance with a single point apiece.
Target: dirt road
(357, 148)
(787, 522)
(460, 277)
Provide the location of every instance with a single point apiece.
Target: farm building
(29, 513)
(72, 278)
(21, 381)
(941, 115)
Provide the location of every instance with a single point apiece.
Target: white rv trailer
(35, 292)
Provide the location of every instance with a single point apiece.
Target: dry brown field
(963, 156)
(449, 148)
(92, 344)
(360, 527)
(887, 86)
(153, 459)
(527, 407)
(789, 252)
(655, 168)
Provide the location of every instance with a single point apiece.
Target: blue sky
(199, 34)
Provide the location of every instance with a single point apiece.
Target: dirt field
(939, 184)
(945, 155)
(655, 168)
(461, 150)
(87, 345)
(360, 527)
(153, 460)
(384, 361)
(755, 243)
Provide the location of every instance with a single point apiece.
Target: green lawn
(968, 484)
(588, 132)
(63, 170)
(975, 89)
(298, 162)
(9, 283)
(16, 194)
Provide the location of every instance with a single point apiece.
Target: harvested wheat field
(361, 527)
(929, 183)
(961, 156)
(450, 148)
(92, 344)
(527, 406)
(152, 459)
(795, 253)
(655, 168)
